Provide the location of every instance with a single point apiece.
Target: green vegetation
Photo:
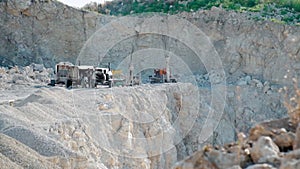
(280, 11)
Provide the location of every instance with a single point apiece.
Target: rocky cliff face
(48, 32)
(265, 50)
(44, 32)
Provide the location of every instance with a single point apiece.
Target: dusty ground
(152, 126)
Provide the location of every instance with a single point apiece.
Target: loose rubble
(18, 77)
(269, 145)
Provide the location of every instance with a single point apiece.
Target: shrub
(269, 9)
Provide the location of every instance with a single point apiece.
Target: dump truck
(85, 76)
(63, 72)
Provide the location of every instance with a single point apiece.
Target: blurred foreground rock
(264, 148)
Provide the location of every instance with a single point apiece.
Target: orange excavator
(160, 76)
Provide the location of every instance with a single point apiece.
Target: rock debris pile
(269, 145)
(16, 77)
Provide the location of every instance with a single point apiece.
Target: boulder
(296, 144)
(198, 160)
(257, 131)
(292, 164)
(261, 166)
(235, 167)
(13, 70)
(284, 140)
(224, 160)
(256, 83)
(37, 67)
(292, 155)
(263, 149)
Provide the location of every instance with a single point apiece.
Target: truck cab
(63, 72)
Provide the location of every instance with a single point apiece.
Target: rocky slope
(152, 126)
(81, 128)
